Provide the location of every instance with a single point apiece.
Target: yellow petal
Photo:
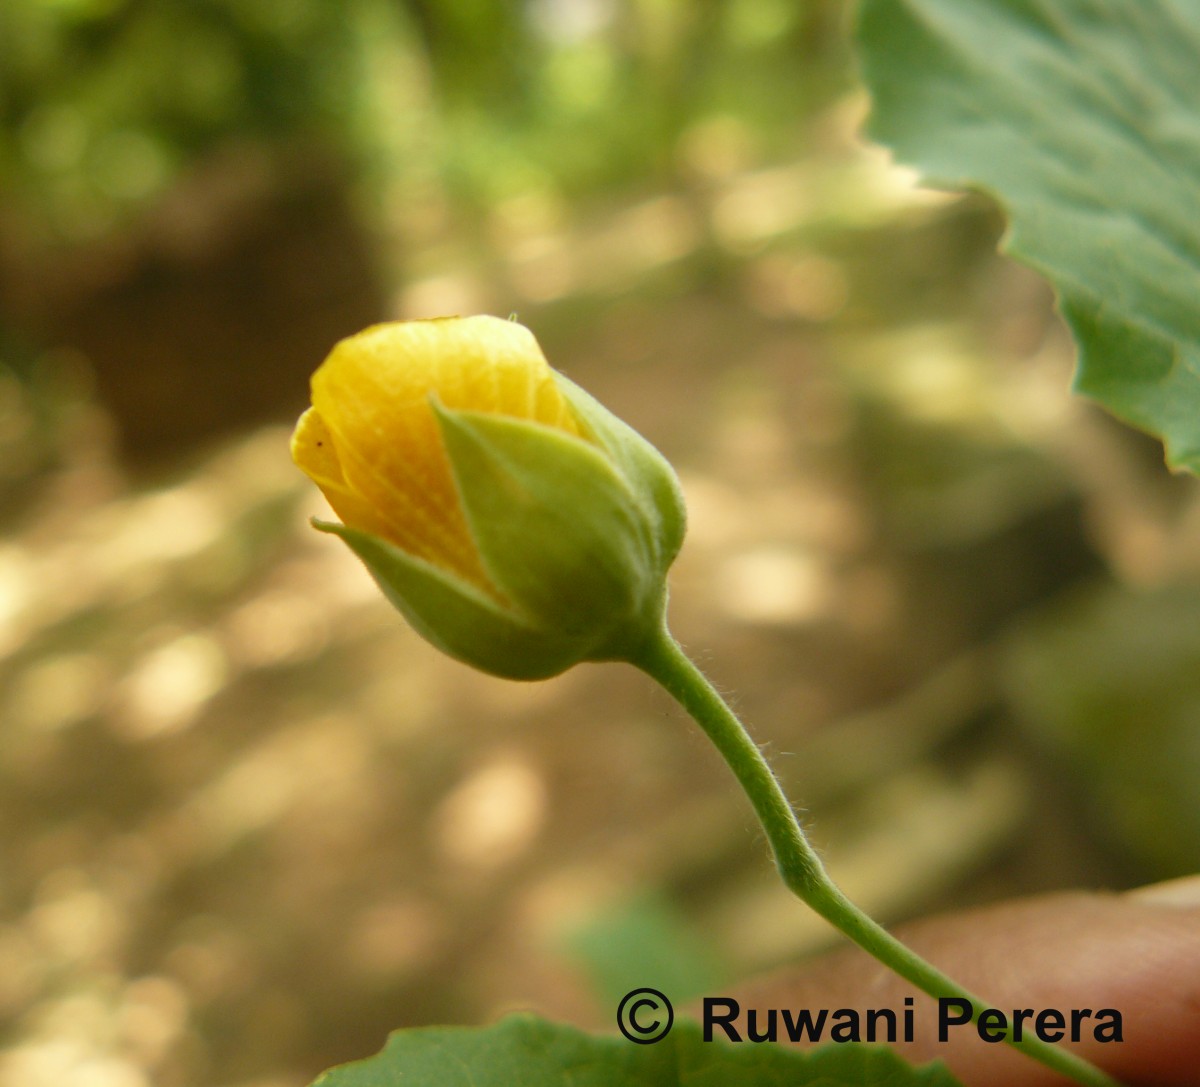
(314, 452)
(389, 468)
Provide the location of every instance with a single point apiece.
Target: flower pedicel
(523, 528)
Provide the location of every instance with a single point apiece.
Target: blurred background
(248, 821)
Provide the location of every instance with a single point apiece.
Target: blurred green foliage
(105, 102)
(1107, 686)
(648, 937)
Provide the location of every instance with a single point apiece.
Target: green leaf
(1083, 118)
(532, 1052)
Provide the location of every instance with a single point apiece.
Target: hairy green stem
(665, 662)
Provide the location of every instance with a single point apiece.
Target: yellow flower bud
(517, 524)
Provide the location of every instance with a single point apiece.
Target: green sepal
(558, 529)
(644, 468)
(458, 618)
